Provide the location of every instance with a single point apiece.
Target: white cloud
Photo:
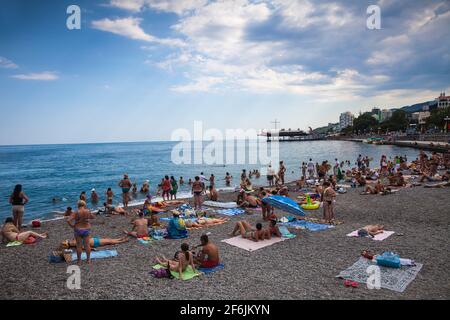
(303, 13)
(179, 7)
(130, 28)
(130, 5)
(41, 76)
(8, 64)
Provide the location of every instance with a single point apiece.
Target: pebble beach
(301, 268)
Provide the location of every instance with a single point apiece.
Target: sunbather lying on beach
(11, 233)
(375, 189)
(203, 222)
(182, 259)
(373, 229)
(110, 209)
(140, 227)
(248, 232)
(94, 242)
(208, 257)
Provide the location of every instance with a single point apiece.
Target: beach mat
(391, 278)
(311, 226)
(230, 212)
(378, 237)
(215, 204)
(285, 233)
(220, 266)
(251, 245)
(96, 255)
(188, 274)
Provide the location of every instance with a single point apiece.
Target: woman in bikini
(95, 242)
(11, 233)
(18, 199)
(247, 232)
(182, 259)
(197, 190)
(79, 221)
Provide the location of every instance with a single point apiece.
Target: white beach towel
(378, 237)
(251, 245)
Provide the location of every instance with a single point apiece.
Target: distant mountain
(417, 107)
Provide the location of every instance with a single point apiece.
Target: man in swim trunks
(11, 233)
(81, 228)
(208, 257)
(247, 232)
(126, 185)
(140, 227)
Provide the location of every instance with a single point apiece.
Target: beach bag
(161, 273)
(36, 224)
(389, 259)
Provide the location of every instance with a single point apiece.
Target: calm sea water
(63, 171)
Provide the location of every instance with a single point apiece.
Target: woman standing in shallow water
(18, 199)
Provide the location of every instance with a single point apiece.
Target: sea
(53, 176)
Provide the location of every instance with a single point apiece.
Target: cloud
(130, 5)
(7, 64)
(130, 28)
(41, 76)
(179, 7)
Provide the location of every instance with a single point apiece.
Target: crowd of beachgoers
(319, 185)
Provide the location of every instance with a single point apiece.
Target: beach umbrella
(286, 204)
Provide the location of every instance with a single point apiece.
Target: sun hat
(93, 189)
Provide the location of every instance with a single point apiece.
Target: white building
(420, 116)
(385, 114)
(443, 101)
(345, 120)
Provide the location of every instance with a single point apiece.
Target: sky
(139, 69)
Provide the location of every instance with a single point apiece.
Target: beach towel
(251, 245)
(14, 244)
(188, 274)
(391, 278)
(231, 212)
(285, 233)
(96, 254)
(227, 205)
(378, 237)
(311, 226)
(220, 266)
(145, 240)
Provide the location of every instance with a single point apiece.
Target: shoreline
(437, 146)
